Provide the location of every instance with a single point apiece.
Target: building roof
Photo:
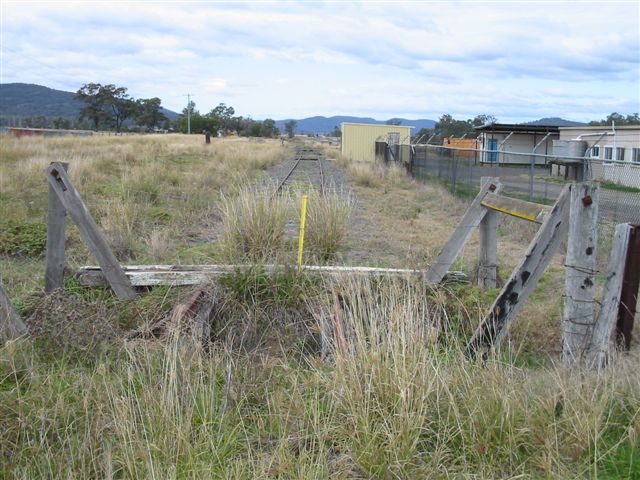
(601, 128)
(516, 128)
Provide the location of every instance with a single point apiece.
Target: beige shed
(359, 139)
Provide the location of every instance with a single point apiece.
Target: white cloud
(511, 59)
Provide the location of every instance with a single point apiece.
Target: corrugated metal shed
(359, 139)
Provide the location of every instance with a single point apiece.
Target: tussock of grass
(253, 221)
(375, 175)
(327, 223)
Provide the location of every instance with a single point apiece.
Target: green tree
(105, 104)
(94, 109)
(62, 123)
(269, 128)
(290, 127)
(336, 132)
(483, 119)
(618, 119)
(222, 116)
(149, 112)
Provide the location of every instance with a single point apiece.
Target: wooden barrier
(89, 231)
(580, 268)
(523, 278)
(11, 325)
(56, 238)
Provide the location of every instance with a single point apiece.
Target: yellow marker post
(303, 217)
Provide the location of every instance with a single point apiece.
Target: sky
(517, 60)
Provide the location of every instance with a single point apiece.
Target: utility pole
(188, 95)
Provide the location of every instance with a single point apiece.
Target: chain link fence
(533, 177)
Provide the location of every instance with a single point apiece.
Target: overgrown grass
(327, 224)
(253, 220)
(395, 402)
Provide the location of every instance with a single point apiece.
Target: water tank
(569, 148)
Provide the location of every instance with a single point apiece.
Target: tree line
(447, 127)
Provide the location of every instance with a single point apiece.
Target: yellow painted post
(303, 218)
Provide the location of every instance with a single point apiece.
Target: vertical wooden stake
(488, 263)
(601, 341)
(460, 236)
(56, 237)
(91, 234)
(11, 326)
(630, 285)
(577, 321)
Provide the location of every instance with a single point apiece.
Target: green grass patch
(23, 239)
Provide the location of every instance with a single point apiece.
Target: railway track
(307, 168)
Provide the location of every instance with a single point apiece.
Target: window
(595, 151)
(620, 154)
(635, 155)
(608, 153)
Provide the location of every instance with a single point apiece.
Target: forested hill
(24, 99)
(28, 100)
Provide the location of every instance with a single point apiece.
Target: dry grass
(327, 224)
(253, 221)
(398, 403)
(397, 400)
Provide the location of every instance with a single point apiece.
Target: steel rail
(300, 153)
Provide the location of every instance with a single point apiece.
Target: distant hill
(555, 122)
(321, 125)
(28, 100)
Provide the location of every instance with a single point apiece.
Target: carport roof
(517, 128)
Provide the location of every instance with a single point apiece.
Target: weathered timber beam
(601, 346)
(460, 236)
(580, 270)
(152, 275)
(56, 238)
(89, 231)
(523, 278)
(11, 326)
(533, 212)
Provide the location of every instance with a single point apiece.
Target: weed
(23, 239)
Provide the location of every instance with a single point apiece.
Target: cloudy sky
(516, 60)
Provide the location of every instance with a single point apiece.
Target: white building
(516, 144)
(614, 152)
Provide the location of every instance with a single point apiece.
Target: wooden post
(601, 341)
(488, 263)
(523, 279)
(11, 326)
(630, 285)
(471, 220)
(91, 234)
(56, 237)
(577, 321)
